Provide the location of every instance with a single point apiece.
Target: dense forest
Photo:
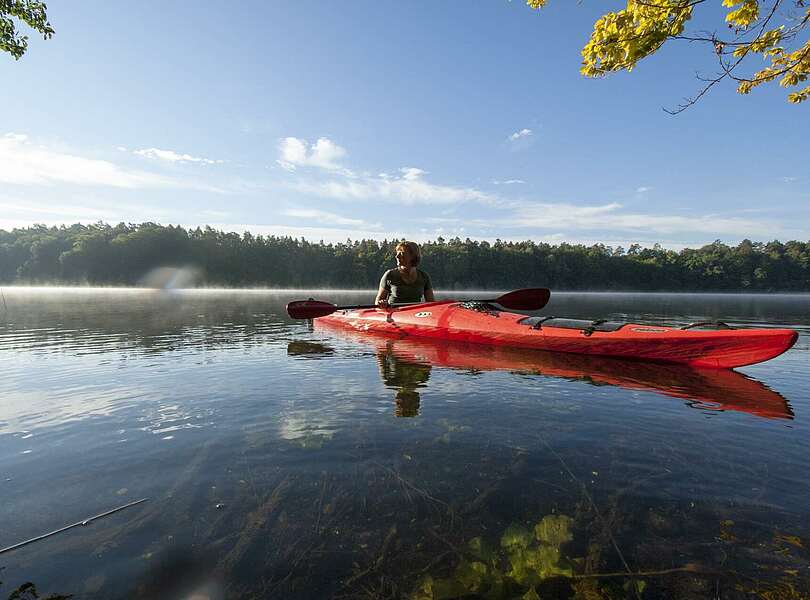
(123, 254)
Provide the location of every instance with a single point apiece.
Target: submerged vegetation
(526, 558)
(28, 591)
(123, 254)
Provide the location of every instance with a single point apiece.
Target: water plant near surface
(524, 559)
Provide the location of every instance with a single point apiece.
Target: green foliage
(103, 254)
(28, 591)
(554, 530)
(30, 12)
(621, 39)
(526, 559)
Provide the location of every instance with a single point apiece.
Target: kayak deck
(481, 323)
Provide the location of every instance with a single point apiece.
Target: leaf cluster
(774, 30)
(32, 13)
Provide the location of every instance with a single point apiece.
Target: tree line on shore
(103, 254)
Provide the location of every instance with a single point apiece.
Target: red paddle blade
(310, 309)
(527, 299)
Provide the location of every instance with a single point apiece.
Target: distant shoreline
(156, 256)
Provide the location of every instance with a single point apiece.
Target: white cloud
(642, 189)
(508, 182)
(608, 217)
(16, 211)
(410, 188)
(520, 134)
(172, 156)
(411, 173)
(324, 154)
(36, 210)
(24, 163)
(326, 218)
(789, 179)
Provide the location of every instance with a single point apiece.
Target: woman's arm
(382, 297)
(383, 292)
(428, 288)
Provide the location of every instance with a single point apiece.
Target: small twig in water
(407, 484)
(320, 506)
(445, 541)
(80, 523)
(392, 532)
(593, 506)
(690, 568)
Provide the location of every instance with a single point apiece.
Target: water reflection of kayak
(709, 389)
(696, 344)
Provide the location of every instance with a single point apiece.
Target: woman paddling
(406, 283)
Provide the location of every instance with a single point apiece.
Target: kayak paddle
(525, 299)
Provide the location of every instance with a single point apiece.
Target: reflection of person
(407, 404)
(406, 378)
(406, 283)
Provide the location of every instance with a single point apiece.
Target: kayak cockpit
(582, 324)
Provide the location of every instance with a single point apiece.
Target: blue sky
(379, 120)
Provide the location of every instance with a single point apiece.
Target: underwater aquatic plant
(526, 557)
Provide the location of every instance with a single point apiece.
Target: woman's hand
(382, 303)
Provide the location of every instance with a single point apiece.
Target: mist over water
(286, 460)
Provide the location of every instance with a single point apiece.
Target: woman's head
(410, 252)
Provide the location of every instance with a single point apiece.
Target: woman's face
(404, 259)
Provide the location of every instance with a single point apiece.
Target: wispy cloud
(608, 217)
(409, 188)
(412, 173)
(523, 133)
(327, 218)
(323, 154)
(789, 179)
(407, 185)
(508, 182)
(643, 189)
(24, 163)
(18, 211)
(175, 157)
(34, 211)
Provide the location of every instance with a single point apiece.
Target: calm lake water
(283, 460)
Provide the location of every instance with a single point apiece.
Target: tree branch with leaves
(30, 12)
(775, 30)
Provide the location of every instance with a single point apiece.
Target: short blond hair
(411, 248)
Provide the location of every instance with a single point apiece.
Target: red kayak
(697, 345)
(707, 389)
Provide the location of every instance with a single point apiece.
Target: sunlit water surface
(282, 460)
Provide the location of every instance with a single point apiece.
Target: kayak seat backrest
(583, 324)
